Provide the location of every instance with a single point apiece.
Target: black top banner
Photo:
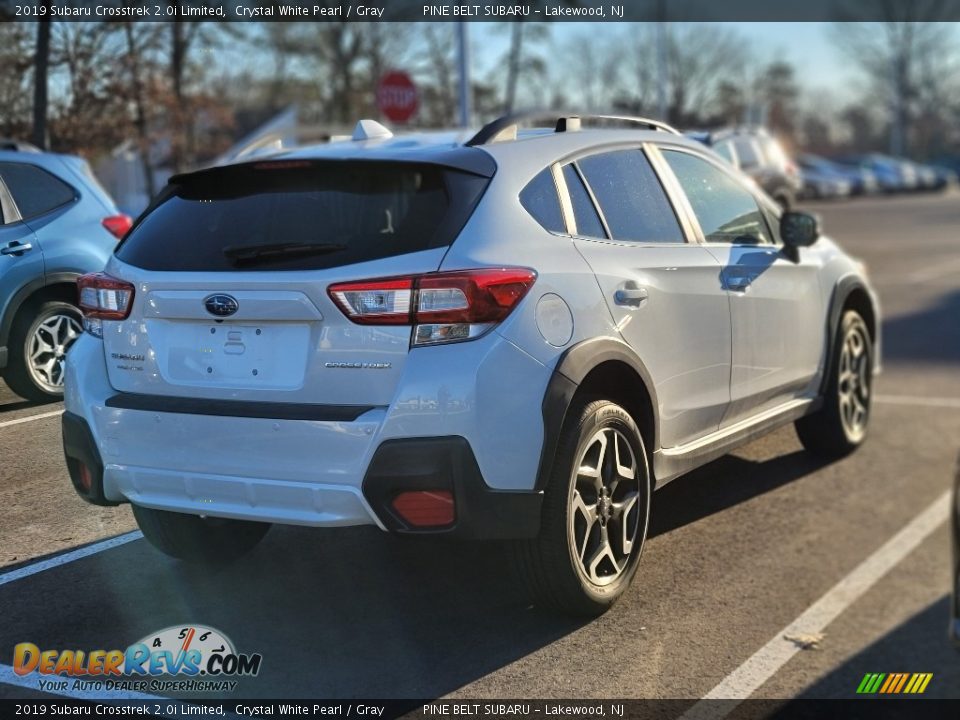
(533, 11)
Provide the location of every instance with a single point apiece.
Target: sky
(805, 45)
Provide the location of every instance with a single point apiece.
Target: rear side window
(725, 150)
(747, 153)
(727, 211)
(584, 212)
(540, 199)
(301, 216)
(631, 198)
(34, 190)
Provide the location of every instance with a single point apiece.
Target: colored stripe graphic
(891, 680)
(894, 683)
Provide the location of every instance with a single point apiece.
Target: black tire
(19, 376)
(549, 566)
(198, 540)
(831, 432)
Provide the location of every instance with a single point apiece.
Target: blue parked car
(860, 181)
(56, 223)
(892, 175)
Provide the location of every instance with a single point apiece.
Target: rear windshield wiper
(245, 254)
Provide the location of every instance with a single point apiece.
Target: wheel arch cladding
(858, 299)
(59, 286)
(850, 293)
(603, 367)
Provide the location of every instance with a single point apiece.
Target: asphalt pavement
(760, 542)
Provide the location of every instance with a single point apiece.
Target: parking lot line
(69, 557)
(30, 418)
(768, 660)
(9, 677)
(918, 400)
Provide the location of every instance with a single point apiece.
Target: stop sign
(397, 96)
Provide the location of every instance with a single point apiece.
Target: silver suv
(516, 335)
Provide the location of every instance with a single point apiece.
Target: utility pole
(41, 66)
(898, 126)
(661, 26)
(463, 63)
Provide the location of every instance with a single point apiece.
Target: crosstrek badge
(191, 650)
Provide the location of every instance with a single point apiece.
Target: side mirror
(799, 229)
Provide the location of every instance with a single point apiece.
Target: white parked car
(516, 337)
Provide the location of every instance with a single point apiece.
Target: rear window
(35, 191)
(301, 216)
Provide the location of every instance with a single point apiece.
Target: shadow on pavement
(722, 484)
(348, 613)
(918, 645)
(930, 335)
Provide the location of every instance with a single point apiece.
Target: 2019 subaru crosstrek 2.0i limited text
(517, 337)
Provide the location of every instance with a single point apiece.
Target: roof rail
(505, 128)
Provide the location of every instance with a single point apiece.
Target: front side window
(726, 210)
(540, 199)
(631, 198)
(34, 190)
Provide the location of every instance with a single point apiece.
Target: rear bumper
(417, 464)
(335, 466)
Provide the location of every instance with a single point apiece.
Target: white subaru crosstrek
(518, 336)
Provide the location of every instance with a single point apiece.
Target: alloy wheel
(606, 507)
(853, 386)
(48, 348)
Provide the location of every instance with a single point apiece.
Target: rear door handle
(16, 248)
(631, 297)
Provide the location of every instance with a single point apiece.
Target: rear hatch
(230, 268)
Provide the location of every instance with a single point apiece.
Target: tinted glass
(35, 191)
(540, 199)
(726, 210)
(747, 153)
(725, 150)
(588, 222)
(630, 197)
(357, 211)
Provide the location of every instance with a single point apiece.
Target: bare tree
(16, 57)
(908, 57)
(139, 41)
(519, 60)
(699, 59)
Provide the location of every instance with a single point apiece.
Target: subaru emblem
(221, 305)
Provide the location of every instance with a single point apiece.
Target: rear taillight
(103, 297)
(426, 508)
(441, 307)
(118, 225)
